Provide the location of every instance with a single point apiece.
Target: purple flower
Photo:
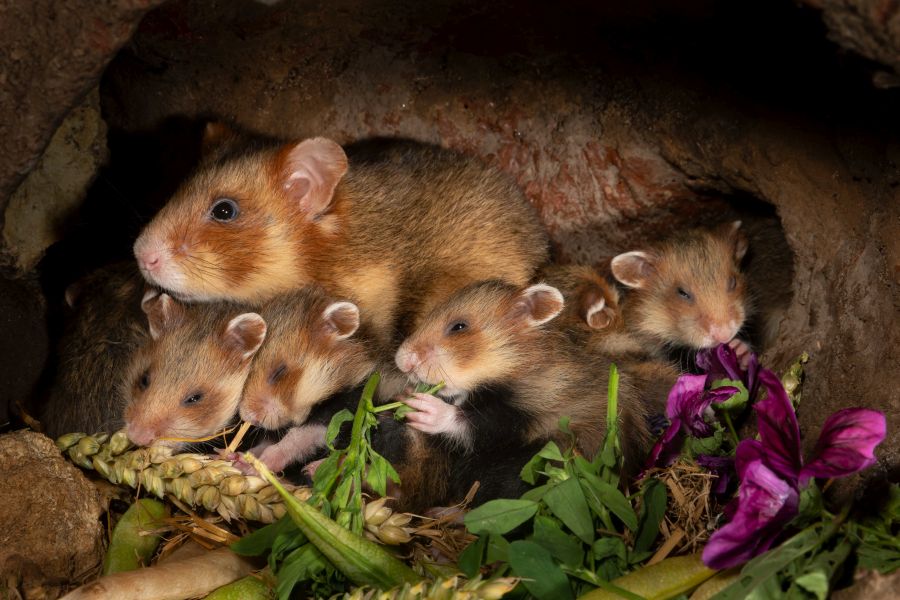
(772, 471)
(721, 362)
(721, 467)
(766, 503)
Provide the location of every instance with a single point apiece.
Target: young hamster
(186, 381)
(102, 331)
(396, 227)
(315, 348)
(509, 378)
(688, 291)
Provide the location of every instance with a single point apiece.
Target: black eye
(224, 210)
(732, 283)
(192, 399)
(457, 326)
(686, 295)
(144, 380)
(277, 373)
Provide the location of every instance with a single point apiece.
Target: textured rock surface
(51, 54)
(56, 186)
(50, 531)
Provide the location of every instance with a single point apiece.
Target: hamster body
(186, 381)
(397, 230)
(104, 329)
(509, 379)
(686, 292)
(316, 348)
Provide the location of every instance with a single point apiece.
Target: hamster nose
(722, 333)
(141, 436)
(148, 260)
(407, 360)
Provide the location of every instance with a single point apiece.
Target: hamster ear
(596, 312)
(244, 334)
(633, 269)
(215, 134)
(163, 312)
(310, 172)
(341, 319)
(595, 315)
(538, 304)
(741, 243)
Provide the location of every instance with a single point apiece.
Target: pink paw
(741, 350)
(432, 415)
(275, 458)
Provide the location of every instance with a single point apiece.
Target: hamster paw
(275, 458)
(432, 415)
(742, 351)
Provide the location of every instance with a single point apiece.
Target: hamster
(395, 227)
(186, 382)
(104, 328)
(688, 291)
(316, 347)
(508, 378)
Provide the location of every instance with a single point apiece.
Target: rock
(57, 185)
(23, 345)
(50, 530)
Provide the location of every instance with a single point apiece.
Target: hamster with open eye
(508, 378)
(186, 381)
(395, 228)
(687, 291)
(104, 328)
(315, 348)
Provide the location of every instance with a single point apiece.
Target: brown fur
(302, 362)
(700, 262)
(549, 375)
(407, 225)
(103, 331)
(194, 353)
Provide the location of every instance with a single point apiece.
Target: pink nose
(407, 360)
(721, 333)
(141, 436)
(148, 260)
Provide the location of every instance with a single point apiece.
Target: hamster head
(186, 381)
(311, 353)
(482, 333)
(247, 225)
(688, 291)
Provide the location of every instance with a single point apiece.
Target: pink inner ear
(632, 268)
(245, 334)
(163, 313)
(311, 171)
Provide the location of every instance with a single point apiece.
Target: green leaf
(762, 570)
(551, 452)
(816, 583)
(611, 498)
(609, 546)
(536, 494)
(737, 402)
(708, 445)
(261, 540)
(470, 558)
(334, 426)
(377, 474)
(499, 516)
(540, 575)
(652, 512)
(565, 548)
(567, 502)
(300, 565)
(497, 549)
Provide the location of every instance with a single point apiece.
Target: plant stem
(731, 429)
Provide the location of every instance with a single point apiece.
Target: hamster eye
(192, 399)
(685, 295)
(144, 380)
(278, 373)
(732, 283)
(457, 327)
(224, 210)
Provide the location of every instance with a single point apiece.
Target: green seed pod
(88, 446)
(64, 442)
(119, 443)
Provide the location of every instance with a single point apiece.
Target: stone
(50, 531)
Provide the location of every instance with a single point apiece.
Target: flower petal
(766, 503)
(721, 466)
(686, 389)
(667, 447)
(846, 444)
(720, 362)
(747, 452)
(778, 428)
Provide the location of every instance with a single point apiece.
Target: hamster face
(186, 382)
(476, 336)
(243, 227)
(690, 291)
(310, 354)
